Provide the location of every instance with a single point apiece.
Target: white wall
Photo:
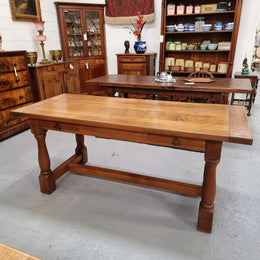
(21, 35)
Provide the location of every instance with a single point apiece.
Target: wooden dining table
(190, 126)
(146, 87)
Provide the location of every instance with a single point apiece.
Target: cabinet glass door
(74, 33)
(92, 20)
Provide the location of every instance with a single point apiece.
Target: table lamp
(39, 25)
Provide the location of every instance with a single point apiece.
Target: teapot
(164, 75)
(180, 27)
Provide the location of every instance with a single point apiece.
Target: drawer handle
(15, 72)
(86, 64)
(21, 96)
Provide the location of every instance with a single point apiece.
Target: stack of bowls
(191, 28)
(170, 28)
(228, 26)
(218, 26)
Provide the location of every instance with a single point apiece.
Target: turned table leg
(46, 177)
(206, 210)
(81, 148)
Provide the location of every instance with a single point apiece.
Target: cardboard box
(209, 8)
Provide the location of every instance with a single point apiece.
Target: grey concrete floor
(91, 218)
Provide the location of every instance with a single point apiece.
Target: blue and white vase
(140, 47)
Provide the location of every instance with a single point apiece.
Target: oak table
(192, 126)
(214, 92)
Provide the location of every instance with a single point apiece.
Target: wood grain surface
(7, 253)
(202, 121)
(225, 85)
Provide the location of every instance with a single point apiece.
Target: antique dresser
(15, 91)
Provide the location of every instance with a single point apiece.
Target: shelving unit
(196, 37)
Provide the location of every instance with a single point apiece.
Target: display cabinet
(83, 39)
(15, 91)
(181, 44)
(53, 79)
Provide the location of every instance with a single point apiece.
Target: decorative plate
(257, 53)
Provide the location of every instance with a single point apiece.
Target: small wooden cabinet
(136, 64)
(15, 91)
(82, 34)
(53, 79)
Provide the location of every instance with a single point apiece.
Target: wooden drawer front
(7, 63)
(131, 59)
(9, 120)
(15, 97)
(87, 63)
(132, 69)
(8, 81)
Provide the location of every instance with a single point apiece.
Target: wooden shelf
(204, 51)
(187, 73)
(204, 32)
(202, 14)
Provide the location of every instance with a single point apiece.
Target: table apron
(118, 134)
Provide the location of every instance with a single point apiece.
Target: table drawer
(15, 97)
(8, 81)
(7, 64)
(131, 59)
(8, 120)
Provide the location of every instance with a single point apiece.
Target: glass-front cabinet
(83, 38)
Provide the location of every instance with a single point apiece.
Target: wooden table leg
(81, 148)
(46, 177)
(206, 210)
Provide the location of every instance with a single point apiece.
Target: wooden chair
(201, 74)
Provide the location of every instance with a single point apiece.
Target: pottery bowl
(203, 47)
(56, 55)
(207, 27)
(190, 47)
(212, 46)
(170, 28)
(31, 57)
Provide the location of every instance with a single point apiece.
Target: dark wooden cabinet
(15, 91)
(136, 64)
(82, 36)
(53, 79)
(227, 38)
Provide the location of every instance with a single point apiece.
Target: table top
(202, 121)
(225, 85)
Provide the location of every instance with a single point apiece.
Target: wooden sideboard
(136, 64)
(54, 79)
(15, 91)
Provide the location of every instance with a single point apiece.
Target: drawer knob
(21, 96)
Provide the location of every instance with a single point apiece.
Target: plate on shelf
(200, 80)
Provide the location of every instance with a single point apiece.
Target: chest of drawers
(136, 64)
(15, 91)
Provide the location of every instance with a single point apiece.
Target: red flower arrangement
(138, 27)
